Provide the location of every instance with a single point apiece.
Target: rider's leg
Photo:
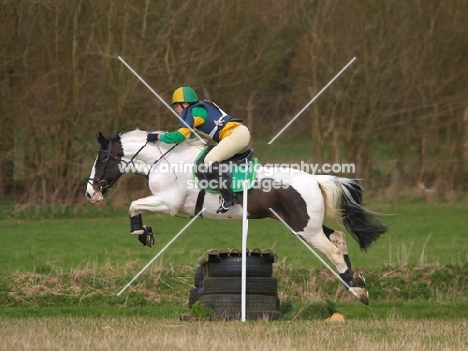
(230, 145)
(220, 179)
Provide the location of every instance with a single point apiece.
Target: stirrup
(226, 204)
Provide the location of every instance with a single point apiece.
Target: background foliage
(398, 112)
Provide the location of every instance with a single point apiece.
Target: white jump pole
(316, 254)
(160, 99)
(160, 252)
(245, 230)
(311, 101)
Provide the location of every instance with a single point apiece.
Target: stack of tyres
(197, 290)
(218, 285)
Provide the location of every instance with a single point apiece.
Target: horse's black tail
(364, 225)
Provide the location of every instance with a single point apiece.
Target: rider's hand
(152, 137)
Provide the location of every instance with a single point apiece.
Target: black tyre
(199, 275)
(232, 302)
(193, 297)
(232, 267)
(249, 315)
(201, 292)
(233, 285)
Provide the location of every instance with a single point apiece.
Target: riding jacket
(206, 117)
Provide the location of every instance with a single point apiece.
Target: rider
(231, 135)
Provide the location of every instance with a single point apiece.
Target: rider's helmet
(184, 94)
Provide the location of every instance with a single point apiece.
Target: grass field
(59, 279)
(423, 233)
(138, 333)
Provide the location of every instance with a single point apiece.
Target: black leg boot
(136, 224)
(347, 276)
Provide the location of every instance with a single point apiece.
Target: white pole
(245, 230)
(160, 252)
(311, 101)
(316, 254)
(161, 99)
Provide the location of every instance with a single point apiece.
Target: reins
(108, 187)
(154, 163)
(163, 156)
(133, 157)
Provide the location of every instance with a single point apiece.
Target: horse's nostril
(88, 196)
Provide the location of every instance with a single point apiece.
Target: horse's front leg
(151, 203)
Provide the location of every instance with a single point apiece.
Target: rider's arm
(175, 137)
(194, 118)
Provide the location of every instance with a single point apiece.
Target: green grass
(353, 310)
(419, 234)
(77, 265)
(153, 311)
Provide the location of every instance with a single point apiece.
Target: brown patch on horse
(286, 202)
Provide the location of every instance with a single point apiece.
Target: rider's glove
(152, 137)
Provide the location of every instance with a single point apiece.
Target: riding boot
(223, 184)
(228, 197)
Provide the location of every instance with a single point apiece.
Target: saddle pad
(240, 174)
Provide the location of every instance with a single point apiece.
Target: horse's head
(106, 170)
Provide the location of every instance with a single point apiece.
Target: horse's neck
(154, 151)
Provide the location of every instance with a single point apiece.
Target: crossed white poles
(161, 251)
(244, 204)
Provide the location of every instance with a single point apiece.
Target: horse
(301, 199)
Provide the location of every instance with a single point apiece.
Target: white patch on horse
(307, 199)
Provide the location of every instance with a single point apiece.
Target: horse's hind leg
(318, 239)
(338, 239)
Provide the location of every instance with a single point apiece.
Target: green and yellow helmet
(184, 94)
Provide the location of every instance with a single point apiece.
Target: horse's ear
(101, 138)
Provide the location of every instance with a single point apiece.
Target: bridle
(103, 183)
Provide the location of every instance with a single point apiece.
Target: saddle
(241, 166)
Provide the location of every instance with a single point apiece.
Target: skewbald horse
(301, 201)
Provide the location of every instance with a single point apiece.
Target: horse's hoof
(359, 279)
(149, 236)
(149, 240)
(362, 295)
(364, 298)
